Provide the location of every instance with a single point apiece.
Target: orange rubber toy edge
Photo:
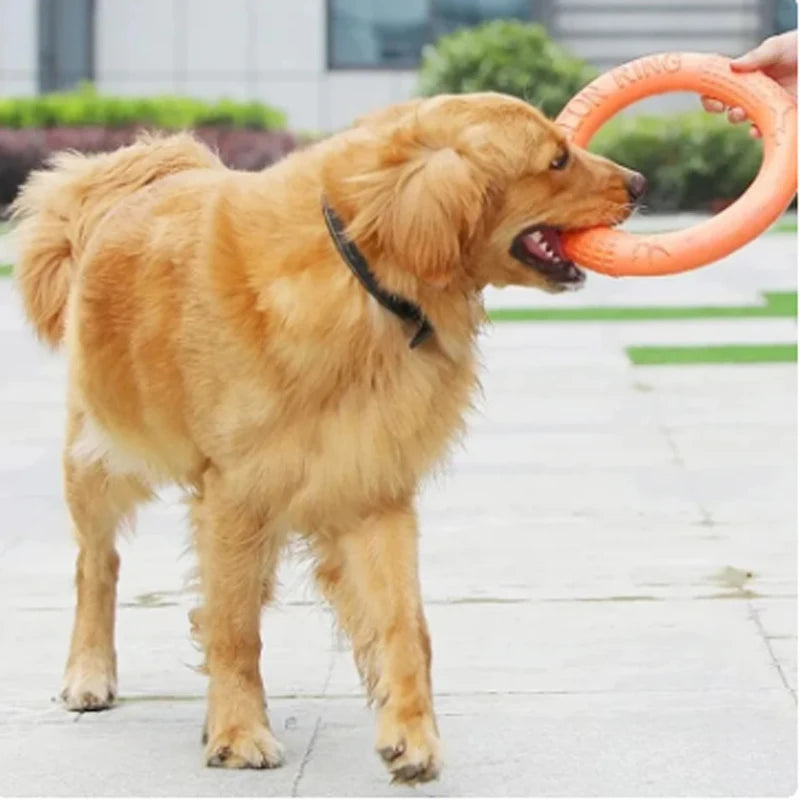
(768, 105)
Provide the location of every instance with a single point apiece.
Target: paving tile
(608, 562)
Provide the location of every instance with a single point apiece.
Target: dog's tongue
(544, 244)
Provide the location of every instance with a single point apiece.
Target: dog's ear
(423, 213)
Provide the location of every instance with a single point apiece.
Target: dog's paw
(239, 748)
(89, 688)
(410, 749)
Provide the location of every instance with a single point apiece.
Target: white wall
(19, 55)
(269, 50)
(610, 32)
(349, 93)
(615, 31)
(275, 51)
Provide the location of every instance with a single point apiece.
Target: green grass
(788, 225)
(776, 304)
(713, 354)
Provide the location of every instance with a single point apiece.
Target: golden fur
(217, 340)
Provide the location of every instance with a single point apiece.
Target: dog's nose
(637, 186)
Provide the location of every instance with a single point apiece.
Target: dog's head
(471, 190)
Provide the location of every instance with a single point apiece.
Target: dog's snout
(637, 186)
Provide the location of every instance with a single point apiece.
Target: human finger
(712, 105)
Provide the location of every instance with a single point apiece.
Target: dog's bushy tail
(59, 207)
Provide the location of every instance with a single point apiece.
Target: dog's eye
(560, 161)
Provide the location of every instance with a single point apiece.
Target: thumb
(766, 54)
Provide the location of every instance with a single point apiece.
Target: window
(391, 34)
(785, 17)
(66, 43)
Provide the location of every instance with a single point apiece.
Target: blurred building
(325, 61)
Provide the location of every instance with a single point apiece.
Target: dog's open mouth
(539, 247)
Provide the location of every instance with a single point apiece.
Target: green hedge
(692, 161)
(84, 107)
(504, 56)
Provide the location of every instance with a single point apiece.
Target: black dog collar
(354, 258)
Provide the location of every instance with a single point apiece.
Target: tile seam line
(756, 619)
(315, 733)
(707, 520)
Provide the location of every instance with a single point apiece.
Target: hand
(775, 57)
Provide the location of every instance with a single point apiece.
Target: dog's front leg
(237, 554)
(370, 576)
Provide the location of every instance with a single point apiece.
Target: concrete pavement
(609, 565)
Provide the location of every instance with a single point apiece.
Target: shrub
(246, 135)
(504, 56)
(22, 150)
(692, 161)
(84, 107)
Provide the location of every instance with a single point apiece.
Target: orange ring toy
(767, 104)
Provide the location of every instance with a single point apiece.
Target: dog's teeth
(537, 235)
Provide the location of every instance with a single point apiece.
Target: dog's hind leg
(99, 502)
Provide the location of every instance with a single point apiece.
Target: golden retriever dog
(296, 348)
